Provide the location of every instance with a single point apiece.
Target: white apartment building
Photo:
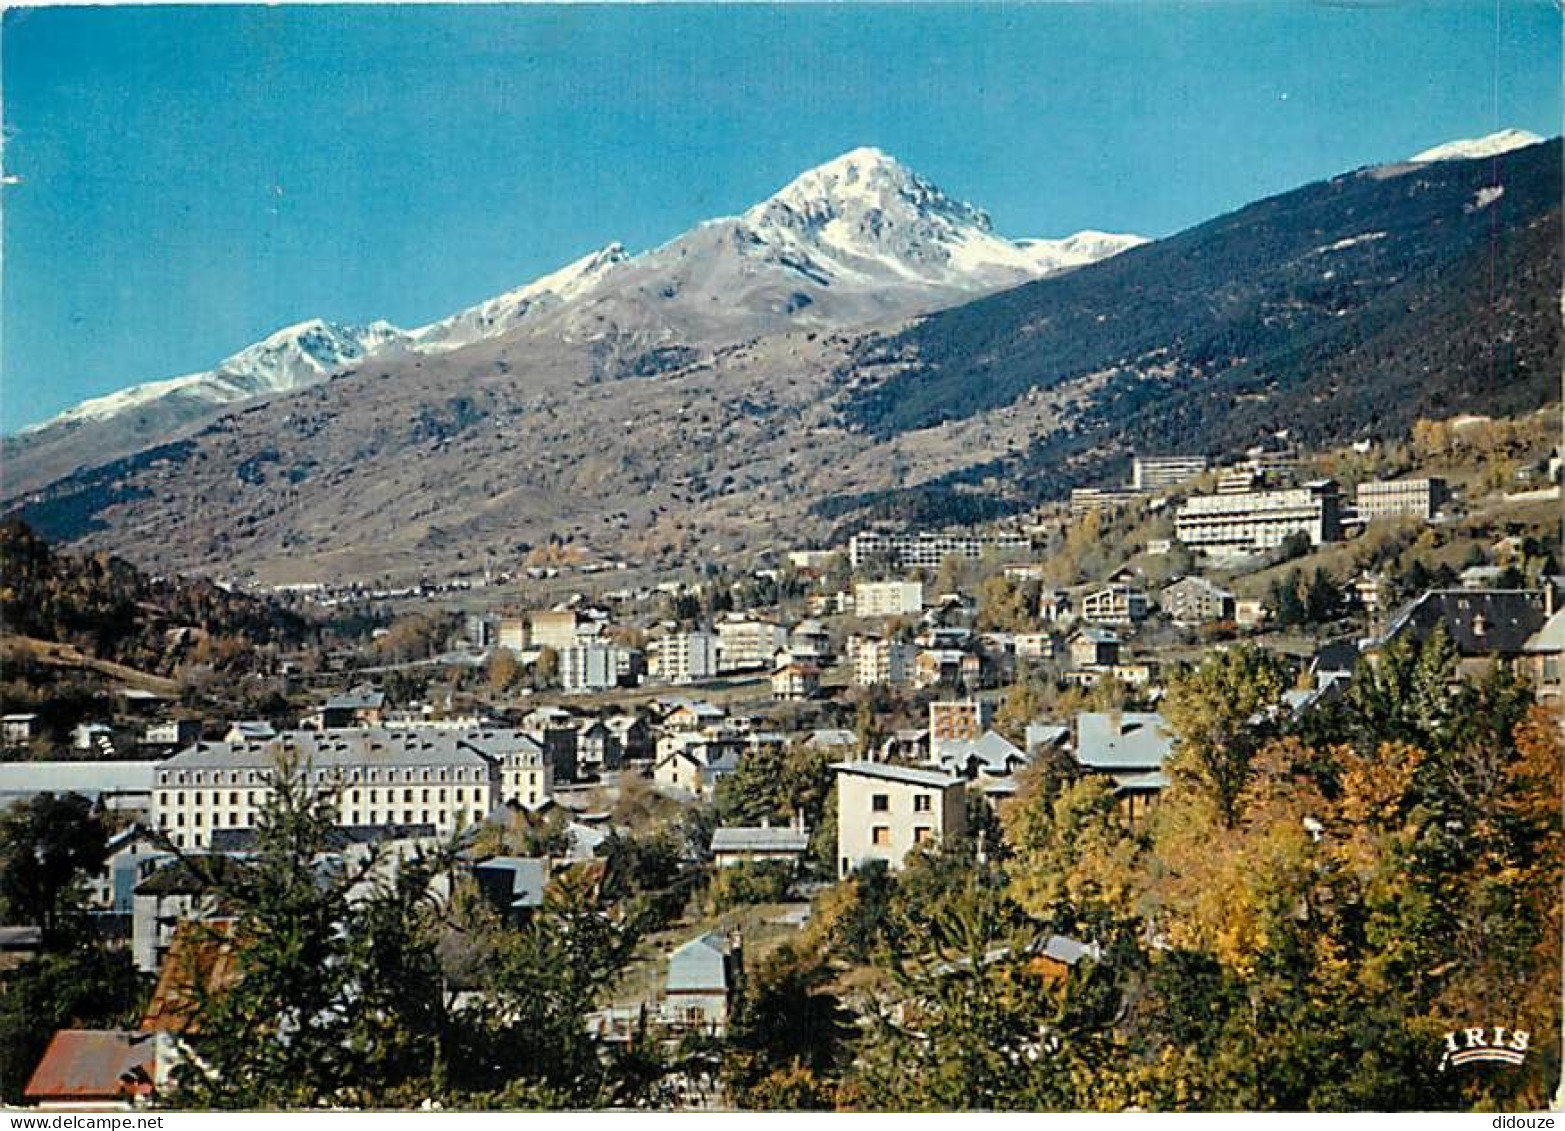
(449, 780)
(595, 667)
(1153, 473)
(927, 551)
(1250, 521)
(883, 662)
(748, 643)
(1389, 498)
(685, 657)
(885, 811)
(888, 598)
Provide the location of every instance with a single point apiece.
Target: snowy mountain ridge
(861, 225)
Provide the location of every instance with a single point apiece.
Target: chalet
(1485, 625)
(1114, 604)
(360, 706)
(990, 756)
(690, 715)
(695, 763)
(1129, 747)
(796, 681)
(742, 844)
(1094, 648)
(947, 666)
(703, 977)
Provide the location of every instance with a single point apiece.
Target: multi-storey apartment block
(962, 720)
(1250, 521)
(685, 657)
(1389, 498)
(748, 643)
(927, 551)
(1153, 473)
(888, 598)
(598, 667)
(1195, 601)
(555, 630)
(883, 662)
(447, 780)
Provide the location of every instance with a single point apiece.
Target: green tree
(49, 844)
(789, 1036)
(1220, 713)
(546, 670)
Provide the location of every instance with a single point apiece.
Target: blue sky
(193, 178)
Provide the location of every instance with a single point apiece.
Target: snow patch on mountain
(291, 358)
(1087, 246)
(501, 313)
(1468, 148)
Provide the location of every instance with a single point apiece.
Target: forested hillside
(111, 610)
(1342, 309)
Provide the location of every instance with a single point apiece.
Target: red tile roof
(95, 1064)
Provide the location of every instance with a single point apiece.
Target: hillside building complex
(1250, 521)
(1392, 498)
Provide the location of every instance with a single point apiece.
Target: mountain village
(1007, 805)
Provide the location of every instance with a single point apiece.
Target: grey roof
(991, 753)
(1337, 656)
(1131, 783)
(699, 966)
(1550, 638)
(21, 938)
(90, 779)
(904, 774)
(760, 839)
(1045, 734)
(360, 698)
(1096, 635)
(1063, 948)
(254, 728)
(1130, 740)
(1509, 618)
(833, 737)
(337, 838)
(360, 747)
(515, 881)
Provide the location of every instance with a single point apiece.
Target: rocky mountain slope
(1341, 309)
(857, 240)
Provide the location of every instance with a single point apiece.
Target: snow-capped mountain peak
(857, 239)
(865, 215)
(1468, 148)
